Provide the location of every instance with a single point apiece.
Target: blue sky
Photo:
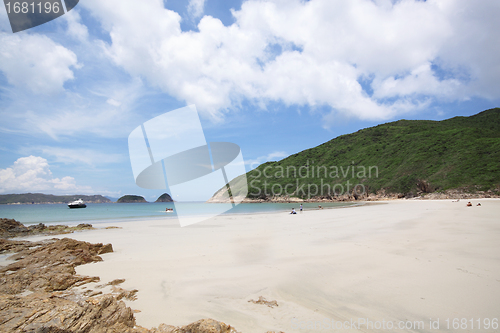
(274, 77)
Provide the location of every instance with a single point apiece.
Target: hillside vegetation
(407, 157)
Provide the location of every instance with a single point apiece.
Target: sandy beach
(400, 264)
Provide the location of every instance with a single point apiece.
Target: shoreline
(404, 259)
(155, 215)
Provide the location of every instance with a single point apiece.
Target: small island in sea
(131, 199)
(165, 197)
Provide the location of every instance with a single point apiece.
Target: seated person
(293, 211)
(469, 204)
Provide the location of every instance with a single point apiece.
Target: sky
(275, 77)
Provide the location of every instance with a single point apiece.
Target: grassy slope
(454, 153)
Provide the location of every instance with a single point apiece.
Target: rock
(106, 249)
(44, 271)
(84, 226)
(115, 282)
(262, 300)
(11, 228)
(49, 267)
(9, 224)
(38, 294)
(201, 326)
(45, 312)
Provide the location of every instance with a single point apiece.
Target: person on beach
(300, 207)
(293, 211)
(320, 207)
(469, 204)
(478, 204)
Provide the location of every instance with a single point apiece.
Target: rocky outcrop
(12, 228)
(39, 292)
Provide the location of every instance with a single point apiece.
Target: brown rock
(11, 228)
(38, 294)
(106, 249)
(264, 301)
(201, 326)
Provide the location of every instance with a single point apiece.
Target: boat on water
(77, 204)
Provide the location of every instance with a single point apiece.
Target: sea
(122, 212)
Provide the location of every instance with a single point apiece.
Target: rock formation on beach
(131, 199)
(12, 228)
(41, 292)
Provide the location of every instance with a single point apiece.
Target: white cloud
(4, 20)
(35, 62)
(77, 155)
(196, 7)
(105, 111)
(274, 156)
(420, 81)
(326, 47)
(113, 102)
(361, 58)
(32, 174)
(75, 28)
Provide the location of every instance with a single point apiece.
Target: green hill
(131, 199)
(407, 157)
(38, 198)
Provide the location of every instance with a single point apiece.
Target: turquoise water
(107, 212)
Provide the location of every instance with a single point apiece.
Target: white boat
(77, 204)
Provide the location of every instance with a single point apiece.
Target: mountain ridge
(40, 198)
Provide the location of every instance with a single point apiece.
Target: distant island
(131, 199)
(165, 197)
(453, 158)
(40, 198)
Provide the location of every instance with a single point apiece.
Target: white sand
(394, 261)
